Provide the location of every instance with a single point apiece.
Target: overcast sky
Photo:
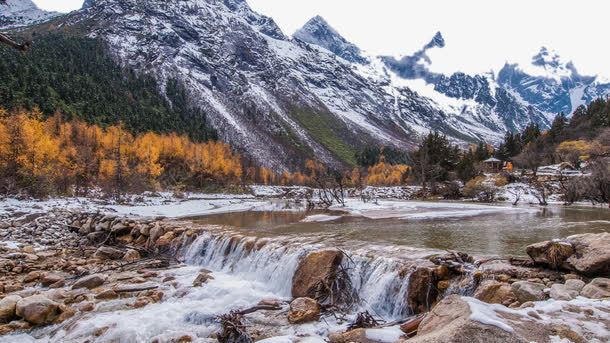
(481, 35)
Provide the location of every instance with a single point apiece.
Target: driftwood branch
(258, 308)
(4, 39)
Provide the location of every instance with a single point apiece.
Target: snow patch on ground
(385, 335)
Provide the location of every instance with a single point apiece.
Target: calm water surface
(491, 234)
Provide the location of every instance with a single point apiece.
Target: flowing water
(501, 233)
(253, 256)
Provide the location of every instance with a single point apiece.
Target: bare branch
(4, 39)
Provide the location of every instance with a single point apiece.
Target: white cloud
(481, 34)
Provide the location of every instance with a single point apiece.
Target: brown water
(491, 234)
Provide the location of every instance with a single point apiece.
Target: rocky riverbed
(71, 276)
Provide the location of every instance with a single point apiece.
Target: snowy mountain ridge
(18, 13)
(282, 100)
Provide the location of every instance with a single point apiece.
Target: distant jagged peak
(416, 65)
(437, 41)
(318, 32)
(548, 64)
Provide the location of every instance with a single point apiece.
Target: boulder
(467, 320)
(528, 291)
(38, 310)
(90, 281)
(597, 289)
(550, 253)
(561, 292)
(494, 292)
(108, 253)
(304, 310)
(422, 294)
(314, 268)
(32, 276)
(591, 254)
(165, 241)
(8, 306)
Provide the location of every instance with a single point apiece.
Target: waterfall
(380, 287)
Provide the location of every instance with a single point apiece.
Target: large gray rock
(597, 289)
(528, 291)
(8, 306)
(38, 310)
(588, 254)
(591, 254)
(454, 320)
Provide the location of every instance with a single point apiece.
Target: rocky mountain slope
(16, 13)
(282, 100)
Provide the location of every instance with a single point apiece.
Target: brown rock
(108, 294)
(421, 292)
(316, 267)
(131, 255)
(202, 278)
(32, 276)
(8, 307)
(51, 278)
(166, 240)
(550, 253)
(108, 253)
(304, 310)
(494, 292)
(90, 281)
(38, 310)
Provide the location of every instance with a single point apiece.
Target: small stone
(575, 285)
(32, 276)
(90, 281)
(108, 253)
(528, 291)
(49, 279)
(304, 310)
(131, 255)
(108, 294)
(201, 279)
(561, 292)
(597, 289)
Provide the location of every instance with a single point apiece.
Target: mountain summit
(18, 13)
(318, 32)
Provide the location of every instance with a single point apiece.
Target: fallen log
(410, 327)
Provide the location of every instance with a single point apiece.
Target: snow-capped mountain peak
(318, 32)
(17, 13)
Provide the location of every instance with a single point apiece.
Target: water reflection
(491, 234)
